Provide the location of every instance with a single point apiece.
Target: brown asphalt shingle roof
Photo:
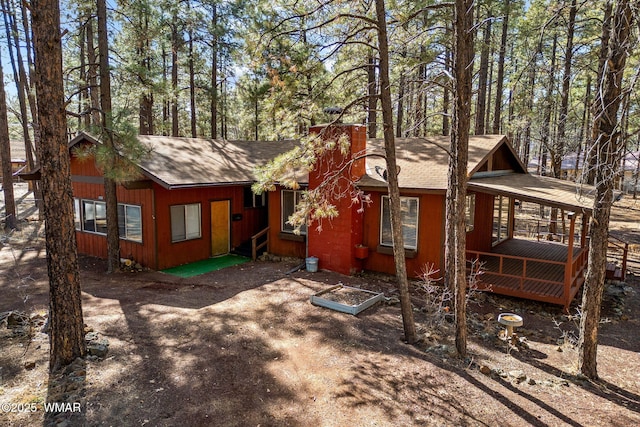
(424, 162)
(198, 162)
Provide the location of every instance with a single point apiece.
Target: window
(130, 222)
(94, 215)
(290, 200)
(252, 200)
(76, 214)
(470, 211)
(409, 218)
(185, 222)
(93, 218)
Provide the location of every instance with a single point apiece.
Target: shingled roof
(176, 162)
(198, 162)
(424, 162)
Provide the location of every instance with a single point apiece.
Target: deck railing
(574, 274)
(621, 250)
(510, 272)
(255, 246)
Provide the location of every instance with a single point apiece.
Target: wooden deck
(533, 270)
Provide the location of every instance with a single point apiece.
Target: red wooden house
(192, 200)
(360, 239)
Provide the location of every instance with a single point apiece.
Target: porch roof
(547, 191)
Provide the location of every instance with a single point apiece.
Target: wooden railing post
(254, 243)
(568, 275)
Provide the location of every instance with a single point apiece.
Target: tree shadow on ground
(600, 387)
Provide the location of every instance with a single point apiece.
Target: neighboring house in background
(18, 158)
(572, 164)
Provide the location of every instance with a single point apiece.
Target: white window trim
(78, 212)
(187, 236)
(390, 244)
(126, 237)
(82, 218)
(297, 195)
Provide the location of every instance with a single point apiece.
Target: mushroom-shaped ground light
(510, 320)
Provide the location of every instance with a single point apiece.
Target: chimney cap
(333, 110)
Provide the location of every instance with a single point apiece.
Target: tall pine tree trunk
(110, 196)
(372, 101)
(497, 113)
(445, 92)
(94, 67)
(394, 190)
(175, 130)
(608, 152)
(483, 72)
(192, 88)
(10, 220)
(214, 72)
(455, 241)
(590, 153)
(65, 306)
(23, 86)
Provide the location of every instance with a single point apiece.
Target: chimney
(335, 245)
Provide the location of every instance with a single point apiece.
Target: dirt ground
(244, 346)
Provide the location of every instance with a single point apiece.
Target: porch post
(568, 269)
(583, 232)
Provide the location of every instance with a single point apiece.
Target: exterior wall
(283, 244)
(480, 238)
(430, 236)
(156, 250)
(169, 254)
(88, 184)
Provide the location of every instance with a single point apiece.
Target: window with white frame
(130, 222)
(185, 222)
(290, 200)
(91, 216)
(470, 212)
(94, 216)
(409, 217)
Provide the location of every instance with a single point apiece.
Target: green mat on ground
(206, 265)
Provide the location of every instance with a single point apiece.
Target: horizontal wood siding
(84, 166)
(430, 235)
